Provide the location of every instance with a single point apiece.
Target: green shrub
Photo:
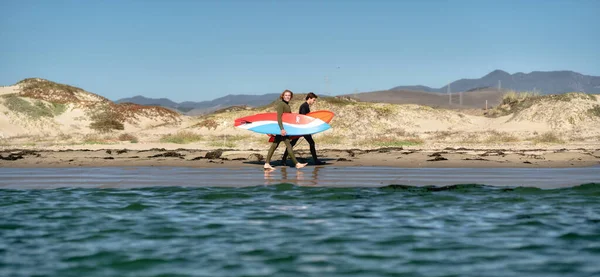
(106, 121)
(20, 105)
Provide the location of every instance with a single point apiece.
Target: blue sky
(201, 50)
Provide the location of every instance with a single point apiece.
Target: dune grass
(385, 141)
(500, 137)
(128, 137)
(548, 137)
(595, 111)
(34, 110)
(329, 139)
(95, 139)
(208, 123)
(181, 137)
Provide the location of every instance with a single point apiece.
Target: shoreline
(234, 158)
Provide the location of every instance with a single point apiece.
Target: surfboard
(324, 115)
(293, 123)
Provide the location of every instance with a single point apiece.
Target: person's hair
(287, 90)
(311, 95)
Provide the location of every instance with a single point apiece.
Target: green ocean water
(289, 230)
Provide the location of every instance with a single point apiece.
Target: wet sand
(136, 177)
(385, 157)
(122, 168)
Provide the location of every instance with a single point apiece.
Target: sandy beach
(46, 124)
(389, 157)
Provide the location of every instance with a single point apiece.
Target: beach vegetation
(338, 100)
(32, 84)
(514, 102)
(222, 144)
(443, 135)
(594, 111)
(106, 121)
(208, 123)
(130, 111)
(547, 137)
(389, 141)
(35, 109)
(94, 139)
(500, 137)
(181, 137)
(383, 111)
(471, 137)
(128, 137)
(329, 139)
(38, 88)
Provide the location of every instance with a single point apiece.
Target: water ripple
(289, 230)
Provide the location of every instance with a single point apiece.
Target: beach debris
(11, 157)
(389, 149)
(255, 157)
(437, 158)
(154, 150)
(475, 159)
(168, 154)
(214, 154)
(19, 155)
(493, 153)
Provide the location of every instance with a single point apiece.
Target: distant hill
(149, 101)
(545, 82)
(474, 94)
(471, 99)
(197, 108)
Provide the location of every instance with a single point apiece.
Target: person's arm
(280, 118)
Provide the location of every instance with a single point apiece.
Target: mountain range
(544, 82)
(197, 108)
(475, 92)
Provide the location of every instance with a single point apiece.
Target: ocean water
(241, 222)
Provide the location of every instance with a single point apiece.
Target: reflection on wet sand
(134, 177)
(304, 177)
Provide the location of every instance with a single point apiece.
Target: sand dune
(82, 119)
